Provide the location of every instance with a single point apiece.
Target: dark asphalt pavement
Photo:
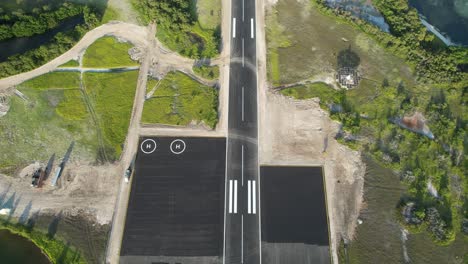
(242, 234)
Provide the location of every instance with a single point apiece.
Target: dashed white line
(242, 159)
(243, 10)
(242, 103)
(230, 196)
(242, 238)
(242, 52)
(251, 28)
(235, 196)
(234, 27)
(249, 198)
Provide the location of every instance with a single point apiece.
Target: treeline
(178, 27)
(61, 43)
(18, 24)
(410, 40)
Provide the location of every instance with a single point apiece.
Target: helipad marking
(178, 146)
(148, 146)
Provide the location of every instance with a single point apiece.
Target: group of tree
(19, 24)
(178, 27)
(61, 42)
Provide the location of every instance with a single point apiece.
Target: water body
(448, 17)
(15, 249)
(15, 46)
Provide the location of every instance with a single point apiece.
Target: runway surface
(176, 203)
(242, 210)
(294, 216)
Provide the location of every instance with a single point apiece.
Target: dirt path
(130, 32)
(129, 151)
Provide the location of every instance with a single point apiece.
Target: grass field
(34, 130)
(107, 52)
(111, 95)
(180, 100)
(209, 13)
(64, 80)
(311, 44)
(318, 89)
(207, 72)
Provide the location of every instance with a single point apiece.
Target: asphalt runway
(242, 210)
(176, 202)
(294, 216)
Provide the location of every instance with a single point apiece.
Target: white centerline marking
(251, 28)
(242, 239)
(234, 27)
(243, 10)
(242, 159)
(249, 199)
(254, 199)
(235, 196)
(230, 196)
(242, 52)
(242, 103)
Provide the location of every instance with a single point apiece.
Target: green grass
(72, 107)
(64, 80)
(56, 250)
(34, 130)
(107, 52)
(180, 100)
(112, 95)
(321, 90)
(209, 13)
(110, 14)
(70, 63)
(207, 72)
(150, 84)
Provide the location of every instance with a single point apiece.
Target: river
(15, 249)
(449, 17)
(14, 46)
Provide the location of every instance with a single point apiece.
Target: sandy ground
(296, 132)
(81, 187)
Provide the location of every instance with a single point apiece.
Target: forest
(434, 170)
(39, 20)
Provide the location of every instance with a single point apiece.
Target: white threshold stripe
(230, 196)
(254, 199)
(249, 199)
(235, 196)
(234, 27)
(251, 28)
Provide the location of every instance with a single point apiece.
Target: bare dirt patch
(301, 133)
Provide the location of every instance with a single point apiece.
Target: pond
(449, 17)
(15, 249)
(14, 46)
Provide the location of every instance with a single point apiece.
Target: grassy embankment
(56, 250)
(70, 63)
(192, 28)
(389, 89)
(180, 100)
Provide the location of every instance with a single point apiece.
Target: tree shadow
(53, 226)
(25, 214)
(32, 221)
(12, 204)
(348, 58)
